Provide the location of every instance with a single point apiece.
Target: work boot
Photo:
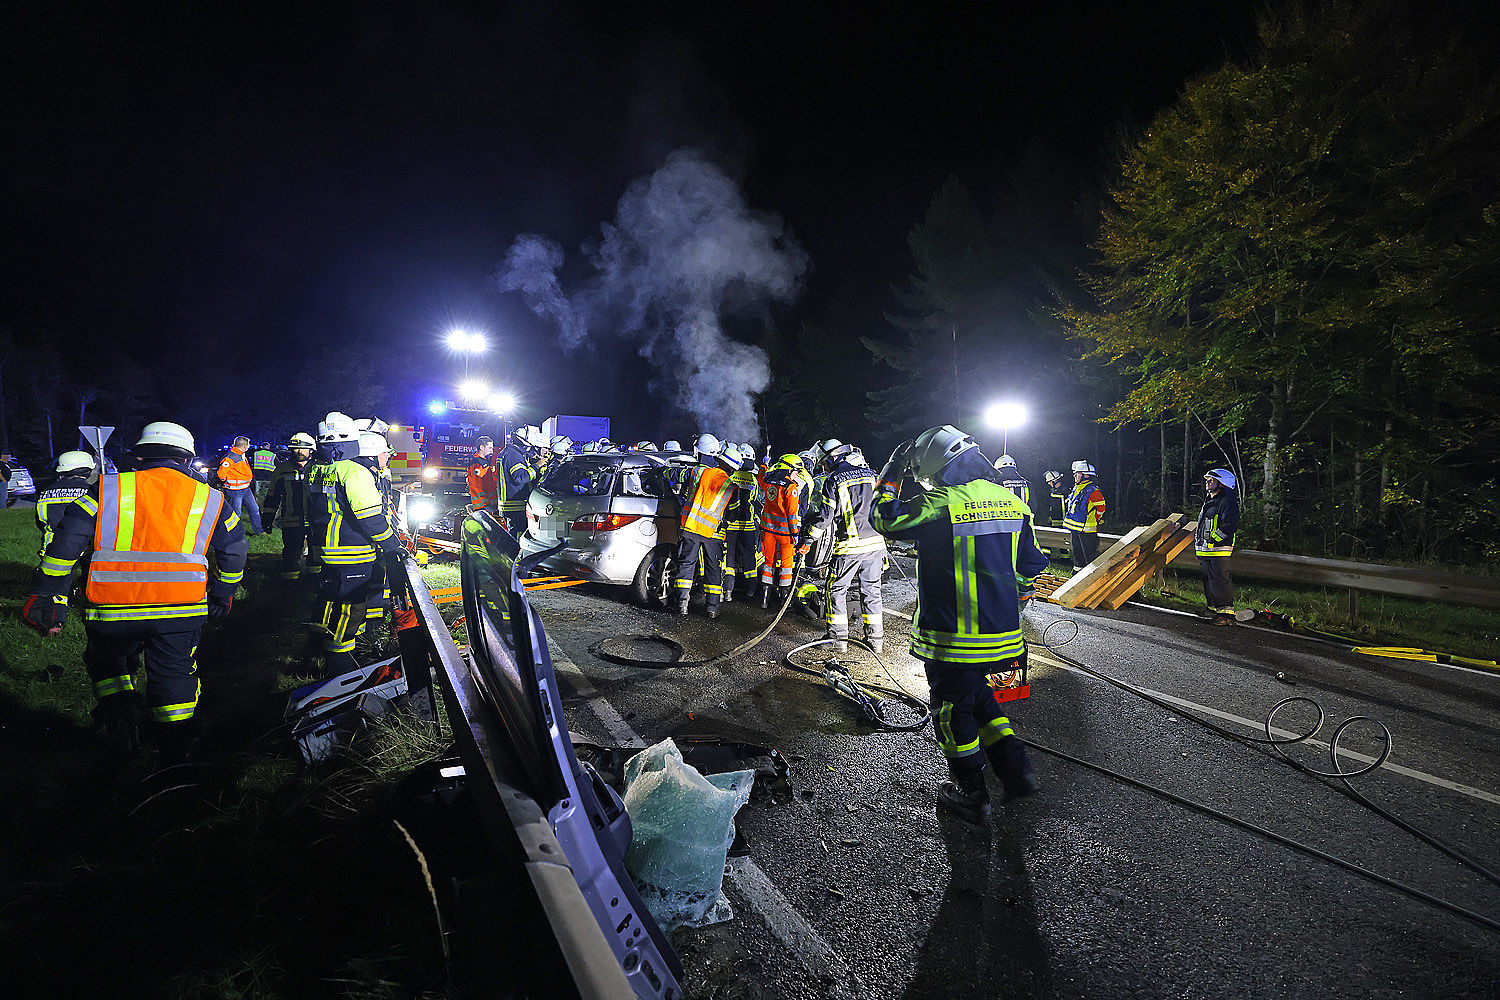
(1010, 761)
(876, 643)
(835, 643)
(765, 598)
(176, 742)
(712, 611)
(682, 607)
(750, 586)
(728, 596)
(116, 725)
(966, 798)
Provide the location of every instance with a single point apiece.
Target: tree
(1288, 240)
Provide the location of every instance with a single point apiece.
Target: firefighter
(780, 522)
(262, 464)
(1213, 541)
(347, 514)
(977, 560)
(706, 494)
(1011, 479)
(148, 588)
(845, 505)
(819, 556)
(742, 530)
(375, 455)
(1057, 505)
(236, 478)
(518, 475)
(1083, 514)
(482, 489)
(287, 496)
(76, 472)
(681, 465)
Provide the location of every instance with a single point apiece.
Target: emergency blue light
(437, 407)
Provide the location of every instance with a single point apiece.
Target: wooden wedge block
(1166, 546)
(1075, 593)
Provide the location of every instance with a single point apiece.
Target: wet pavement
(858, 886)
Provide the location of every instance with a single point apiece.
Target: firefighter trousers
(740, 556)
(172, 686)
(965, 714)
(516, 521)
(861, 569)
(1218, 588)
(779, 553)
(344, 592)
(691, 549)
(1085, 546)
(293, 541)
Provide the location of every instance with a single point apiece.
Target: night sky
(258, 178)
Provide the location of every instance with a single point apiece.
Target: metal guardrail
(509, 814)
(1373, 578)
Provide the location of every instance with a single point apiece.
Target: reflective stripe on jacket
(1085, 508)
(845, 504)
(234, 471)
(779, 516)
(151, 539)
(264, 460)
(740, 515)
(348, 514)
(52, 502)
(1018, 485)
(975, 551)
(517, 478)
(1214, 535)
(706, 495)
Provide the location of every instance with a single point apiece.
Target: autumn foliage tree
(1304, 247)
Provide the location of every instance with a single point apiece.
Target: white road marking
(1476, 793)
(566, 668)
(788, 925)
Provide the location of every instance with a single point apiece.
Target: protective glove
(218, 608)
(804, 548)
(895, 466)
(395, 565)
(45, 614)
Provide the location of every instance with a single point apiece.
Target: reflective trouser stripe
(180, 712)
(113, 685)
(946, 740)
(995, 730)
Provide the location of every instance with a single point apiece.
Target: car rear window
(580, 478)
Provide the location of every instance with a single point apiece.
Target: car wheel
(653, 577)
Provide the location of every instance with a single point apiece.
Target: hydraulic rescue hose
(1337, 774)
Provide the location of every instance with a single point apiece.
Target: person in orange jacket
(483, 489)
(780, 520)
(236, 478)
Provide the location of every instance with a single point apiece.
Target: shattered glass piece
(683, 826)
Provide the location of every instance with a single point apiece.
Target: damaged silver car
(616, 517)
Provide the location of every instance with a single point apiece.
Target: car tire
(647, 586)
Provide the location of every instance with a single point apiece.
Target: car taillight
(604, 522)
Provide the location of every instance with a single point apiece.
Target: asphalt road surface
(859, 886)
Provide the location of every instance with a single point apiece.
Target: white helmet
(74, 461)
(708, 445)
(167, 433)
(589, 447)
(372, 444)
(560, 444)
(1052, 476)
(337, 427)
(644, 446)
(301, 439)
(730, 459)
(1084, 467)
(1222, 475)
(747, 452)
(671, 445)
(856, 458)
(936, 447)
(1005, 461)
(372, 424)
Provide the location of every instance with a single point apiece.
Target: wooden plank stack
(1119, 573)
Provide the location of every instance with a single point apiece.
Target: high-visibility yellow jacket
(706, 495)
(1085, 509)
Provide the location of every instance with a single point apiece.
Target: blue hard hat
(1224, 476)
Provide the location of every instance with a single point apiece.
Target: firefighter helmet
(1004, 462)
(729, 458)
(671, 445)
(936, 447)
(708, 445)
(1052, 476)
(1084, 467)
(372, 444)
(747, 452)
(337, 427)
(645, 446)
(301, 439)
(560, 444)
(164, 432)
(74, 461)
(1222, 475)
(792, 460)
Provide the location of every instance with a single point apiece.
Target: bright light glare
(437, 407)
(431, 474)
(473, 389)
(1005, 415)
(503, 402)
(464, 342)
(420, 511)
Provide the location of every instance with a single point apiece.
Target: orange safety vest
(234, 471)
(151, 539)
(709, 491)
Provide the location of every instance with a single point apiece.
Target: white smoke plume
(683, 253)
